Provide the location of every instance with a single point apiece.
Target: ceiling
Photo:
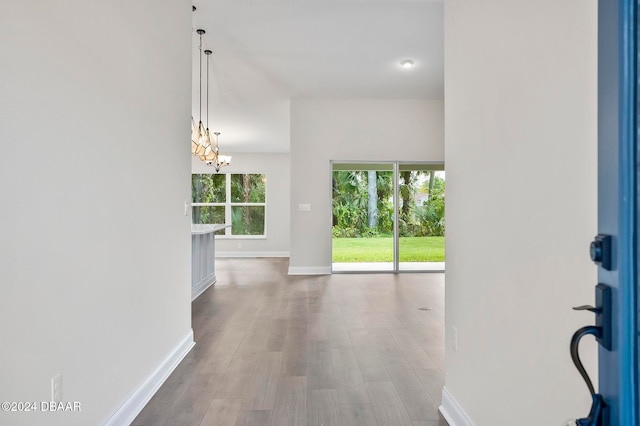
(267, 52)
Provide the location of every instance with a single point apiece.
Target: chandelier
(219, 160)
(203, 145)
(199, 138)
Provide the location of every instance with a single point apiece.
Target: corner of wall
(452, 411)
(134, 404)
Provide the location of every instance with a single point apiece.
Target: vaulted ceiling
(267, 52)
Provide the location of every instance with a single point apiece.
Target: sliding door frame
(396, 210)
(396, 215)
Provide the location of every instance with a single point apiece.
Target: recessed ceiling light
(407, 63)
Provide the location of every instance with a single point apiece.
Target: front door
(618, 206)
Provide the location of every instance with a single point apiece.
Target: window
(238, 199)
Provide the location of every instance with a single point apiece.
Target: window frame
(228, 205)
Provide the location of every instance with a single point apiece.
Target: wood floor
(277, 350)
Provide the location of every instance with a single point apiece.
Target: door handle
(603, 314)
(586, 308)
(575, 356)
(598, 413)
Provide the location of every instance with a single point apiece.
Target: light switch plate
(304, 207)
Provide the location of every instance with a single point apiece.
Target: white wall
(520, 124)
(276, 168)
(350, 130)
(94, 172)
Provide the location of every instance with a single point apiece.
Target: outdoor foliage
(431, 215)
(247, 188)
(247, 220)
(421, 209)
(350, 204)
(426, 219)
(244, 189)
(208, 188)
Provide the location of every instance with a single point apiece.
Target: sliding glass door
(387, 217)
(421, 217)
(363, 217)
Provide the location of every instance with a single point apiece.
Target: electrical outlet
(56, 388)
(186, 208)
(454, 338)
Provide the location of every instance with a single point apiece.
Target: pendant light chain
(200, 89)
(208, 55)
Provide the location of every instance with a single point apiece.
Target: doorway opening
(387, 216)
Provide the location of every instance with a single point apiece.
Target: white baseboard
(309, 270)
(133, 405)
(227, 254)
(202, 286)
(452, 411)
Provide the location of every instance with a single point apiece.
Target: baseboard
(202, 286)
(309, 270)
(228, 254)
(452, 411)
(133, 405)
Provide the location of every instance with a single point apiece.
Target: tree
(408, 222)
(384, 185)
(354, 194)
(247, 188)
(349, 201)
(208, 188)
(406, 191)
(431, 214)
(362, 209)
(372, 193)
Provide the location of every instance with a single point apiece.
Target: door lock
(600, 251)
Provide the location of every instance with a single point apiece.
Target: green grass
(380, 249)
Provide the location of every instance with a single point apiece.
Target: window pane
(248, 188)
(208, 188)
(247, 220)
(209, 215)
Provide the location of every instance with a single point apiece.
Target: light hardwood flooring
(277, 350)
